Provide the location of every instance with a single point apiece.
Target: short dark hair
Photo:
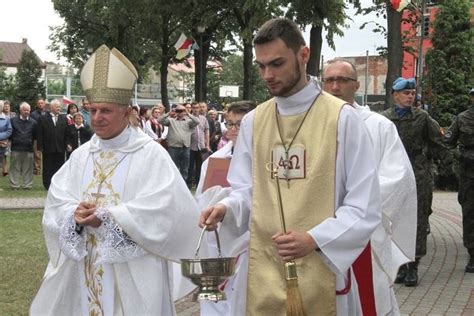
(287, 30)
(241, 107)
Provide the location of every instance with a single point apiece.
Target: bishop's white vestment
(342, 238)
(148, 218)
(393, 242)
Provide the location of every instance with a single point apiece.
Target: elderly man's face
(25, 111)
(404, 98)
(108, 119)
(55, 108)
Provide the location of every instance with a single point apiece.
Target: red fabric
(362, 268)
(66, 100)
(395, 4)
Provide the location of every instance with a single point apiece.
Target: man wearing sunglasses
(420, 134)
(180, 129)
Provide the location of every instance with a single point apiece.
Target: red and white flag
(66, 100)
(399, 5)
(183, 46)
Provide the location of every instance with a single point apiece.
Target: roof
(10, 53)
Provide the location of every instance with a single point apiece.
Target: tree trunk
(248, 56)
(165, 59)
(164, 80)
(395, 51)
(315, 43)
(200, 67)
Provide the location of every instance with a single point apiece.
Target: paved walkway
(444, 289)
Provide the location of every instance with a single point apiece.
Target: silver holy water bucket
(208, 273)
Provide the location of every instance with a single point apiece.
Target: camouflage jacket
(421, 136)
(461, 132)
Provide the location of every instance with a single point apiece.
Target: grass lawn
(23, 259)
(36, 191)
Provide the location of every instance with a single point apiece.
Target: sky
(31, 19)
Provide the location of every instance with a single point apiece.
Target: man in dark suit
(51, 136)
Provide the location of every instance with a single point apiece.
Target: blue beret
(402, 84)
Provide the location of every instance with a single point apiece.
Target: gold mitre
(108, 77)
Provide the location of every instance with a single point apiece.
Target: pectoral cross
(97, 195)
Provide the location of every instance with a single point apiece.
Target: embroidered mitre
(108, 77)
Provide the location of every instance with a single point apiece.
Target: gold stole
(306, 203)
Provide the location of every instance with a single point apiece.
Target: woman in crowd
(8, 113)
(158, 130)
(71, 110)
(214, 130)
(77, 133)
(5, 132)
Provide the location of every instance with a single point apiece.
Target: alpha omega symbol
(291, 163)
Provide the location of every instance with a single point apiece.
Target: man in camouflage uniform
(462, 132)
(419, 134)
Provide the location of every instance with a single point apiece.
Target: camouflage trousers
(424, 192)
(466, 199)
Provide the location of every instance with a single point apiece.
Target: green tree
(249, 16)
(232, 74)
(324, 14)
(29, 86)
(7, 86)
(450, 61)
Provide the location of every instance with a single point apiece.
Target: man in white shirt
(328, 181)
(393, 242)
(117, 211)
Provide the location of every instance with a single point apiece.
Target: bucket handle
(196, 255)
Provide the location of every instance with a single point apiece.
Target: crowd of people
(51, 136)
(316, 184)
(42, 139)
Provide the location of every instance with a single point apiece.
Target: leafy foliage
(325, 14)
(28, 85)
(232, 74)
(7, 86)
(450, 62)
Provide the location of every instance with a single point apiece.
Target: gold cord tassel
(294, 302)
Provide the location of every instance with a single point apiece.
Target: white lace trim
(72, 244)
(114, 245)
